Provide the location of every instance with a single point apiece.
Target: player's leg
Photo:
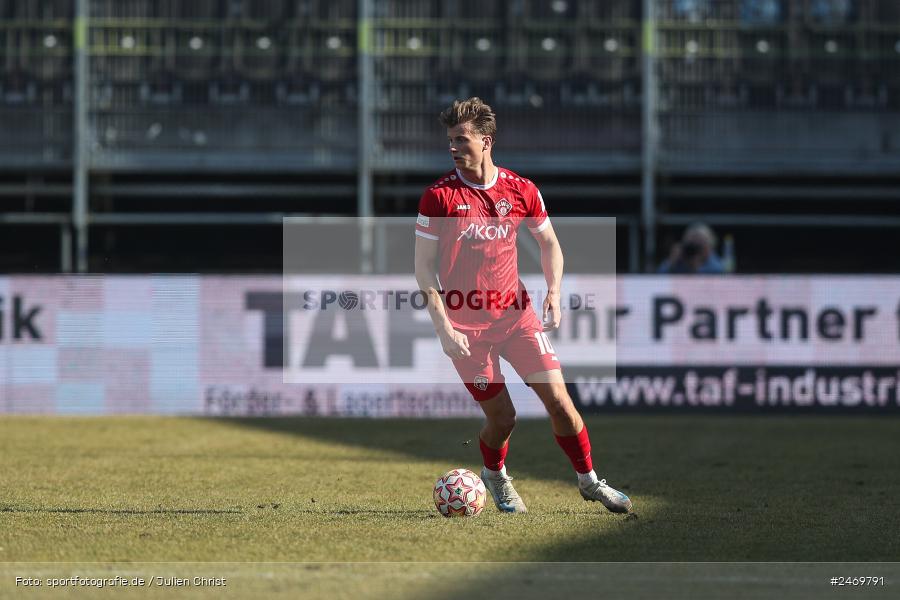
(499, 422)
(532, 355)
(481, 374)
(500, 419)
(572, 436)
(568, 426)
(550, 387)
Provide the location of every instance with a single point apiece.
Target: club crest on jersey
(481, 382)
(503, 206)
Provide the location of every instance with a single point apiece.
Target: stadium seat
(482, 53)
(297, 91)
(692, 11)
(200, 10)
(400, 98)
(259, 52)
(229, 91)
(410, 54)
(408, 9)
(833, 64)
(272, 12)
(197, 53)
(51, 53)
(492, 12)
(867, 92)
(544, 53)
(43, 10)
(298, 48)
(151, 129)
(18, 88)
(796, 91)
(606, 54)
(42, 49)
(330, 10)
(123, 9)
(831, 13)
(338, 122)
(443, 90)
(607, 12)
(760, 68)
(126, 54)
(610, 96)
(548, 10)
(755, 13)
(886, 44)
(159, 89)
(517, 92)
(688, 55)
(330, 53)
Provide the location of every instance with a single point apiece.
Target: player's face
(466, 147)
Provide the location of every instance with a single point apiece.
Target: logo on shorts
(481, 382)
(503, 207)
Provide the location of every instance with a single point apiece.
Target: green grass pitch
(323, 492)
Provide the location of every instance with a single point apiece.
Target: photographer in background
(695, 253)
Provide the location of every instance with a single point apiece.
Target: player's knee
(504, 421)
(507, 422)
(556, 410)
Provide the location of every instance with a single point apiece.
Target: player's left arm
(552, 265)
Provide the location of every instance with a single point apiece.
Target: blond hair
(474, 111)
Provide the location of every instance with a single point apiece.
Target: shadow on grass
(533, 451)
(706, 488)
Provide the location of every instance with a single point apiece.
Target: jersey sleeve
(429, 221)
(536, 218)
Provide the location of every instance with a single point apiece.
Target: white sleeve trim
(539, 228)
(427, 236)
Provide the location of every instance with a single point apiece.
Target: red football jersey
(476, 228)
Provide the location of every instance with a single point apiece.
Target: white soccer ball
(459, 493)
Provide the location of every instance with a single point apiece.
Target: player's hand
(455, 344)
(551, 315)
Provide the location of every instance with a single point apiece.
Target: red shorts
(524, 344)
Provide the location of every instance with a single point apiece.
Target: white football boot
(612, 499)
(505, 496)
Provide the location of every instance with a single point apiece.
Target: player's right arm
(454, 343)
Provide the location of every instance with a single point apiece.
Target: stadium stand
(240, 111)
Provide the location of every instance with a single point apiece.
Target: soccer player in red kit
(467, 264)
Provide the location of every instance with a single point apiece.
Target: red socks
(493, 459)
(578, 449)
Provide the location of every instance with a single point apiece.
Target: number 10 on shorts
(544, 343)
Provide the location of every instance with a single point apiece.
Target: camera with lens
(691, 250)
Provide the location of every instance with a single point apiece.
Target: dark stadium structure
(174, 135)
